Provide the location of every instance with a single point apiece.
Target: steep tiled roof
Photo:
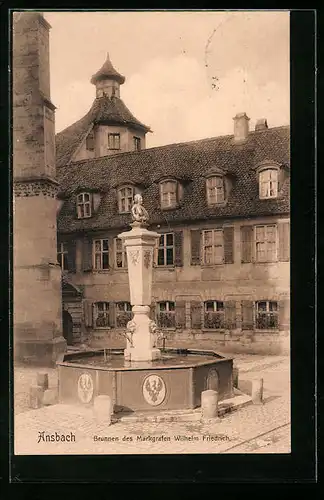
(107, 71)
(103, 110)
(190, 160)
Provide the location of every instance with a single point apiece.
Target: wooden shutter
(284, 241)
(71, 256)
(195, 309)
(284, 314)
(86, 254)
(246, 243)
(178, 248)
(112, 314)
(195, 239)
(230, 314)
(228, 233)
(180, 314)
(247, 315)
(88, 313)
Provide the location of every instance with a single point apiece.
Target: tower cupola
(107, 80)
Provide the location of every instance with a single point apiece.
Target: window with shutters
(266, 243)
(120, 254)
(101, 254)
(84, 201)
(215, 190)
(213, 247)
(266, 315)
(168, 193)
(123, 314)
(125, 199)
(166, 314)
(214, 315)
(90, 144)
(101, 314)
(114, 141)
(165, 250)
(62, 256)
(268, 183)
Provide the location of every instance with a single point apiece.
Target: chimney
(241, 127)
(261, 124)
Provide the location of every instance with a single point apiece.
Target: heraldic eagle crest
(154, 388)
(85, 387)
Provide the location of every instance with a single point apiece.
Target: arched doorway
(68, 327)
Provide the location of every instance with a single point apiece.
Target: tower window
(137, 143)
(90, 141)
(113, 141)
(84, 205)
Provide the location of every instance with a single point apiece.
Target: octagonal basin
(173, 382)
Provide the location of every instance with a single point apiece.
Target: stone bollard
(209, 404)
(103, 408)
(35, 396)
(257, 391)
(42, 380)
(50, 397)
(235, 377)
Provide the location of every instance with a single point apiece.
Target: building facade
(221, 275)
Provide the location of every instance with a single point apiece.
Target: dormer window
(268, 183)
(84, 205)
(215, 190)
(90, 141)
(168, 193)
(113, 141)
(137, 143)
(125, 199)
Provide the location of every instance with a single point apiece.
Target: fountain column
(140, 243)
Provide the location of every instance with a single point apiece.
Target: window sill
(214, 205)
(124, 213)
(100, 328)
(269, 198)
(100, 271)
(85, 217)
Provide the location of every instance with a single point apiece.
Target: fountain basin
(173, 382)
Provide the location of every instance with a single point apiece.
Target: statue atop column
(139, 213)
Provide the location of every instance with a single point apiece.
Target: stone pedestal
(140, 244)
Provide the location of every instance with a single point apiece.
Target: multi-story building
(221, 205)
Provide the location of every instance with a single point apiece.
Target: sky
(187, 73)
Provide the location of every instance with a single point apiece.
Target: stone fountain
(143, 377)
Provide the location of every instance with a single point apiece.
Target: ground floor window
(266, 315)
(123, 314)
(166, 314)
(214, 314)
(101, 314)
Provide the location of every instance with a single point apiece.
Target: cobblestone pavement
(252, 429)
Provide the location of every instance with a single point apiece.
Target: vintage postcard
(151, 226)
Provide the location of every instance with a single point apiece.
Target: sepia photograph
(151, 232)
